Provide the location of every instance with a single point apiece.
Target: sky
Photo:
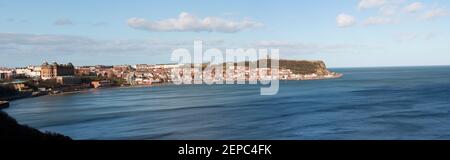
(343, 33)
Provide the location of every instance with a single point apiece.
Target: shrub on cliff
(11, 130)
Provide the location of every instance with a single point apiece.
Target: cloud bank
(414, 7)
(391, 12)
(32, 44)
(187, 22)
(434, 13)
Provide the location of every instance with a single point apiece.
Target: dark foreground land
(11, 130)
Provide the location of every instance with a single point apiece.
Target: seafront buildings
(147, 74)
(7, 73)
(51, 71)
(55, 78)
(29, 71)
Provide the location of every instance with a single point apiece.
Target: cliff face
(297, 67)
(11, 130)
(305, 67)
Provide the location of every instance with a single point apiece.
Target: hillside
(299, 67)
(305, 67)
(11, 130)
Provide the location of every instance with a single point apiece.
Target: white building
(7, 73)
(30, 71)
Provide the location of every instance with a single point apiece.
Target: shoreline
(60, 93)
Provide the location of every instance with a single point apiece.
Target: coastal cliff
(11, 130)
(302, 67)
(294, 69)
(305, 67)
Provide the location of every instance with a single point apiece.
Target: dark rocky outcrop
(11, 130)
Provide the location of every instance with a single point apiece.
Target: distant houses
(7, 74)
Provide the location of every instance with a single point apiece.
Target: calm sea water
(369, 103)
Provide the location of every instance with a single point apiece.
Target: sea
(392, 103)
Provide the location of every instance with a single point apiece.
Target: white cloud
(391, 11)
(63, 22)
(388, 10)
(377, 21)
(32, 44)
(366, 4)
(434, 13)
(11, 43)
(345, 20)
(414, 7)
(33, 39)
(410, 36)
(189, 23)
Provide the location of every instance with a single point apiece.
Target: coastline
(59, 93)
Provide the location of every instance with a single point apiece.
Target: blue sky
(343, 33)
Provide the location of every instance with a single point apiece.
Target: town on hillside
(54, 78)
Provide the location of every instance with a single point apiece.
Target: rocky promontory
(305, 67)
